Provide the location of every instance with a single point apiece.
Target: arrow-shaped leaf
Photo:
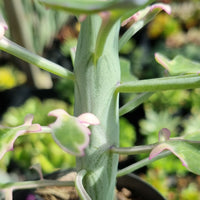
(188, 151)
(71, 133)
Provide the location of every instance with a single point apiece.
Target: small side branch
(141, 163)
(34, 184)
(133, 150)
(160, 84)
(20, 52)
(141, 98)
(8, 188)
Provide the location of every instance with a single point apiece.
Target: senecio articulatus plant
(92, 134)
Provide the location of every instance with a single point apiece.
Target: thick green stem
(95, 85)
(35, 184)
(141, 163)
(133, 150)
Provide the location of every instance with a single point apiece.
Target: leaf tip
(3, 26)
(162, 6)
(164, 134)
(57, 113)
(88, 119)
(161, 60)
(28, 119)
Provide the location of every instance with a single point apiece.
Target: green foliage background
(175, 110)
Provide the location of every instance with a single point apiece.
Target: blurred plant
(158, 178)
(173, 188)
(191, 192)
(15, 115)
(69, 94)
(35, 149)
(179, 29)
(155, 121)
(67, 46)
(24, 18)
(127, 133)
(164, 25)
(164, 109)
(49, 21)
(10, 77)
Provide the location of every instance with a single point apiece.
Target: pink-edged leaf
(88, 119)
(162, 60)
(178, 65)
(8, 135)
(3, 26)
(140, 19)
(70, 133)
(147, 13)
(162, 6)
(187, 151)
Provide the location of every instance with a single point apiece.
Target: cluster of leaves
(164, 108)
(77, 127)
(35, 148)
(176, 109)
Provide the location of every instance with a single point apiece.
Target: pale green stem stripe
(20, 52)
(141, 98)
(160, 84)
(79, 185)
(35, 184)
(133, 150)
(141, 163)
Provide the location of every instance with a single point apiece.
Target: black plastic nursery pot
(129, 187)
(137, 188)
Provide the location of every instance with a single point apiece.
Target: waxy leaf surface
(71, 133)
